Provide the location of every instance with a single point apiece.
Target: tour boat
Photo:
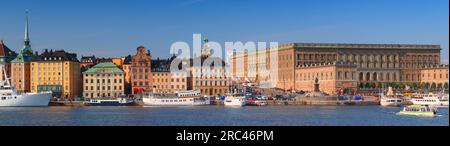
(256, 102)
(440, 102)
(181, 98)
(390, 99)
(418, 110)
(10, 98)
(110, 102)
(234, 100)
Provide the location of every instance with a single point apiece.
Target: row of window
(103, 81)
(211, 83)
(103, 88)
(102, 75)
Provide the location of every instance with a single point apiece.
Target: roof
(362, 46)
(4, 50)
(59, 55)
(107, 67)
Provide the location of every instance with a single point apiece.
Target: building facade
(165, 81)
(332, 77)
(435, 74)
(104, 80)
(56, 71)
(374, 62)
(141, 75)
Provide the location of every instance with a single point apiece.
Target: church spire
(27, 35)
(26, 43)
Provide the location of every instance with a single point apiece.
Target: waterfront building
(209, 76)
(20, 66)
(104, 80)
(56, 71)
(141, 75)
(332, 77)
(165, 81)
(435, 74)
(374, 62)
(126, 67)
(6, 55)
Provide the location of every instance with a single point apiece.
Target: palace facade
(435, 74)
(374, 62)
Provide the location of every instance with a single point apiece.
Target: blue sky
(116, 27)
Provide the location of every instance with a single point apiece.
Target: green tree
(427, 85)
(439, 86)
(446, 85)
(433, 86)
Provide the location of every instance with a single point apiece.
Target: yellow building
(56, 71)
(435, 74)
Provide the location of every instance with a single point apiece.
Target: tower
(206, 49)
(20, 73)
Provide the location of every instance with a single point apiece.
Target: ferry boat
(256, 102)
(390, 99)
(10, 98)
(110, 102)
(440, 102)
(235, 100)
(180, 98)
(418, 110)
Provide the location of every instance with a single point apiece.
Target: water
(216, 115)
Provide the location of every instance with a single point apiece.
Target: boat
(256, 102)
(438, 101)
(180, 98)
(418, 110)
(110, 102)
(234, 100)
(9, 97)
(391, 99)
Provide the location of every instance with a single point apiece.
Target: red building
(141, 75)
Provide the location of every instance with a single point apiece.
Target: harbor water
(216, 116)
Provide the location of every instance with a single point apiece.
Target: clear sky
(116, 27)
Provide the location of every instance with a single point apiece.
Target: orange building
(141, 74)
(435, 74)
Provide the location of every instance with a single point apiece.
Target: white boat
(391, 99)
(234, 100)
(10, 98)
(181, 98)
(439, 102)
(110, 102)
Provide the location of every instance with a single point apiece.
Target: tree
(368, 85)
(446, 85)
(427, 85)
(439, 86)
(361, 85)
(433, 86)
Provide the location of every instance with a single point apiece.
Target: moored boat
(110, 102)
(256, 102)
(391, 99)
(418, 110)
(181, 98)
(10, 98)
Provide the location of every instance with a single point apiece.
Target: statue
(316, 85)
